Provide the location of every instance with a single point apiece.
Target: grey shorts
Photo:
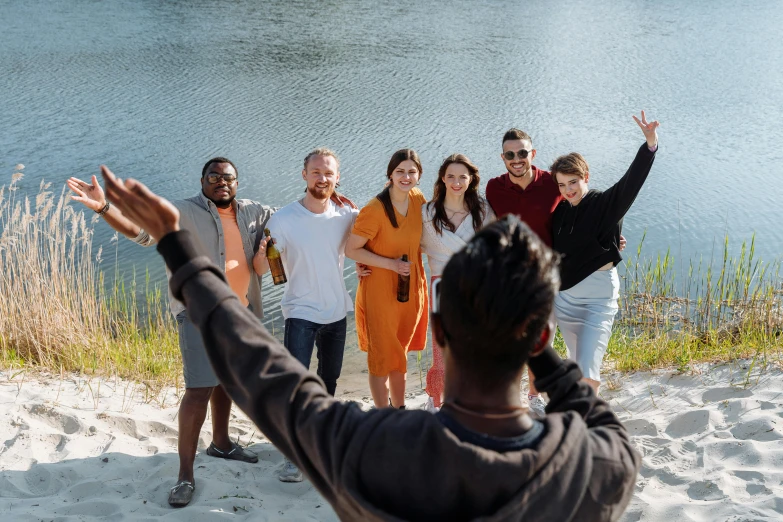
(195, 364)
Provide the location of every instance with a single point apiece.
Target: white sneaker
(430, 406)
(536, 404)
(289, 473)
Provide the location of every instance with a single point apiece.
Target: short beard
(521, 175)
(321, 194)
(221, 203)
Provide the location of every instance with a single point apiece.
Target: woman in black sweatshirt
(586, 230)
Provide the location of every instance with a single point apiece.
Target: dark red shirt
(534, 205)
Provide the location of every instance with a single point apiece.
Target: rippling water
(153, 89)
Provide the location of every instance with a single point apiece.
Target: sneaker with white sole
(430, 406)
(289, 473)
(537, 405)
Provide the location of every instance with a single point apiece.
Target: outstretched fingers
(140, 205)
(647, 127)
(75, 188)
(128, 203)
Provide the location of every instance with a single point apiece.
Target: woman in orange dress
(386, 228)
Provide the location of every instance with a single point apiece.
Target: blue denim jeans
(302, 335)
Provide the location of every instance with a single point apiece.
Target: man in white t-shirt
(311, 235)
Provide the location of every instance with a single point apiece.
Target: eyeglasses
(521, 154)
(228, 178)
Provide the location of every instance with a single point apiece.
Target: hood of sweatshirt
(552, 481)
(569, 221)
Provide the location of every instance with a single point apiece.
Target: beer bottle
(403, 284)
(275, 261)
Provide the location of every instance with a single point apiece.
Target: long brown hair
(385, 196)
(476, 204)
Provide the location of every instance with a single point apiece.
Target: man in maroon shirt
(524, 190)
(531, 194)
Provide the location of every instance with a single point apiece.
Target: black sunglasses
(521, 154)
(214, 178)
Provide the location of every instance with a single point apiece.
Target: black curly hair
(496, 297)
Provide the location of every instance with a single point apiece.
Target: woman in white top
(450, 220)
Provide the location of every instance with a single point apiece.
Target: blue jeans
(300, 337)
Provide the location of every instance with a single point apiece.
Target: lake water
(153, 89)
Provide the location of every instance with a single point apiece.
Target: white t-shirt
(312, 247)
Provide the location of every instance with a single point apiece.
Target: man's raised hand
(140, 205)
(88, 194)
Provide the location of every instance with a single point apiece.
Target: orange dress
(386, 328)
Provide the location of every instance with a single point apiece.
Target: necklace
(515, 411)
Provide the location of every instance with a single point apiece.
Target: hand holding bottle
(274, 260)
(401, 266)
(260, 262)
(404, 282)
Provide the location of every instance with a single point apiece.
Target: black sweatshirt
(391, 464)
(588, 235)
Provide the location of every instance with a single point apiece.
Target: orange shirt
(386, 328)
(237, 268)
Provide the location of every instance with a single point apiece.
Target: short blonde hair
(321, 151)
(572, 163)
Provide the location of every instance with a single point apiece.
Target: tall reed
(719, 309)
(58, 311)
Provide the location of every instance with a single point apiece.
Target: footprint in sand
(690, 423)
(705, 490)
(762, 430)
(755, 482)
(678, 456)
(722, 394)
(37, 481)
(68, 424)
(639, 427)
(734, 410)
(664, 475)
(649, 445)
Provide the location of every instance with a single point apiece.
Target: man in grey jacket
(482, 456)
(231, 230)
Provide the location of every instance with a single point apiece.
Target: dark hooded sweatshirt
(391, 464)
(588, 235)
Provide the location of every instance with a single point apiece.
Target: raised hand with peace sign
(649, 129)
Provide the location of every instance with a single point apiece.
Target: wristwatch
(103, 210)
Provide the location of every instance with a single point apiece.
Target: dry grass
(57, 311)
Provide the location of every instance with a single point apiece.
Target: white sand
(712, 443)
(86, 450)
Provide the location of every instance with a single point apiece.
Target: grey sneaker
(289, 473)
(536, 404)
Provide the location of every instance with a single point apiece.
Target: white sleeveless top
(440, 247)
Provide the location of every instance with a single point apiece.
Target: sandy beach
(81, 449)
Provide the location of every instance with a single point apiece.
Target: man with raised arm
(231, 230)
(490, 459)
